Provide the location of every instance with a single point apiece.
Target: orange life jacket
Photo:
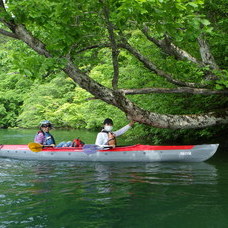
(111, 139)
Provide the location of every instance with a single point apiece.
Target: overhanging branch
(20, 32)
(206, 55)
(170, 48)
(152, 67)
(180, 90)
(9, 34)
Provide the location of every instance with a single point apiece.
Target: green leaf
(205, 22)
(193, 4)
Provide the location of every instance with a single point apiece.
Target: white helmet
(45, 123)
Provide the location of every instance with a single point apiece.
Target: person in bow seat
(107, 136)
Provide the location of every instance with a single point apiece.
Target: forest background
(34, 88)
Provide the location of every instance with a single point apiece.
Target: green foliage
(217, 14)
(177, 18)
(33, 89)
(44, 99)
(13, 86)
(65, 105)
(60, 24)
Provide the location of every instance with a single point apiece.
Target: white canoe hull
(136, 153)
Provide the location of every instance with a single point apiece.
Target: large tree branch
(20, 32)
(207, 57)
(115, 51)
(6, 19)
(117, 98)
(180, 90)
(149, 65)
(9, 34)
(169, 48)
(31, 41)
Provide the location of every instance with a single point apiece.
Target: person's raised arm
(124, 129)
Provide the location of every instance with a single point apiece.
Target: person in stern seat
(43, 136)
(107, 136)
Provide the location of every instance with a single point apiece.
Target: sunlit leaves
(177, 18)
(67, 27)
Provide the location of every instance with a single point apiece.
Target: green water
(83, 194)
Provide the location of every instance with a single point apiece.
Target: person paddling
(43, 136)
(107, 137)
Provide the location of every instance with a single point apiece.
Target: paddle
(93, 148)
(36, 147)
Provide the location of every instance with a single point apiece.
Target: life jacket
(111, 140)
(48, 138)
(77, 143)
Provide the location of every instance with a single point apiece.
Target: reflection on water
(73, 194)
(83, 194)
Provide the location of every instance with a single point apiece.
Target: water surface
(87, 194)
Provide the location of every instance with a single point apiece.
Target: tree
(68, 33)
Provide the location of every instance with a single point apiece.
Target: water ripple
(73, 194)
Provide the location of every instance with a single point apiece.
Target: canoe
(135, 153)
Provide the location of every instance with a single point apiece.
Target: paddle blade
(90, 148)
(35, 147)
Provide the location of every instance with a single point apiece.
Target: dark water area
(96, 194)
